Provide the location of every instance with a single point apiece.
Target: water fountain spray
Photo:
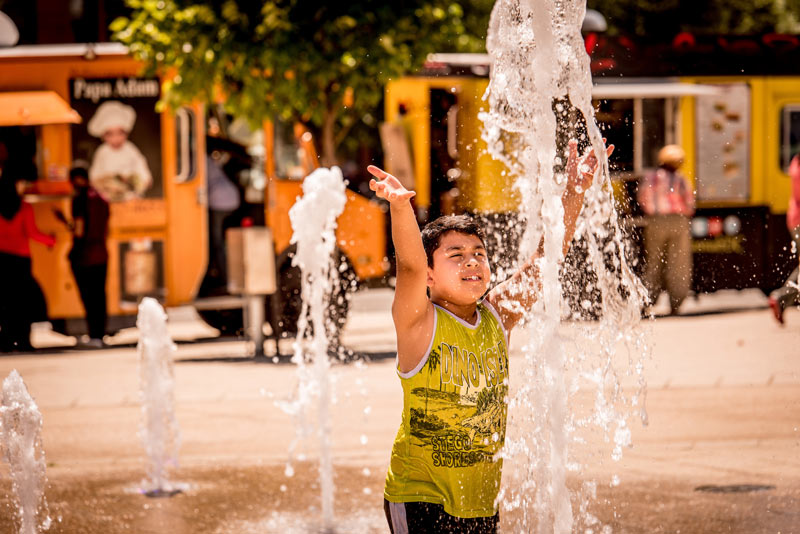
(313, 219)
(21, 439)
(159, 428)
(539, 96)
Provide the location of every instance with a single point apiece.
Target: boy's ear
(429, 280)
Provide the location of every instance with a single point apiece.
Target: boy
(452, 359)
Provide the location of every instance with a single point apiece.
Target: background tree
(326, 63)
(666, 18)
(476, 22)
(321, 62)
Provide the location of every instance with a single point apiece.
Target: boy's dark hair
(434, 230)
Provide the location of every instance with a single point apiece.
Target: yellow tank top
(454, 418)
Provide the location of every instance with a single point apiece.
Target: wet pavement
(721, 452)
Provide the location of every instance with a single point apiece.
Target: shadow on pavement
(284, 359)
(709, 312)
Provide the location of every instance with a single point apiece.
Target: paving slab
(723, 405)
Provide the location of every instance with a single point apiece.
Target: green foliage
(476, 21)
(305, 60)
(311, 60)
(656, 18)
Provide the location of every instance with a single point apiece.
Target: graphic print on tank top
(458, 399)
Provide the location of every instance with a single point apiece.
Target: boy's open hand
(387, 186)
(587, 165)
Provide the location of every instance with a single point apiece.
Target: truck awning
(33, 108)
(603, 91)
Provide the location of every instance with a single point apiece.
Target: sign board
(251, 261)
(723, 146)
(397, 154)
(120, 136)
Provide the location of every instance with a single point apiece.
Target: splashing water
(314, 222)
(21, 438)
(159, 428)
(539, 97)
(796, 283)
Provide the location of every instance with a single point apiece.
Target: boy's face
(460, 272)
(115, 137)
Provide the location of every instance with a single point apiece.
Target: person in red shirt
(789, 294)
(21, 301)
(667, 200)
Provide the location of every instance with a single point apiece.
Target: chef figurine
(119, 171)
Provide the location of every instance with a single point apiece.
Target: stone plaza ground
(721, 452)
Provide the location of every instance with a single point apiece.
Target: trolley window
(639, 127)
(186, 142)
(790, 134)
(21, 154)
(288, 154)
(615, 118)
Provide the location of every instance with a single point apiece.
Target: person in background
(21, 300)
(223, 200)
(89, 255)
(789, 294)
(667, 200)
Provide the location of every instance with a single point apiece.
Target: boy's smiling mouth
(473, 278)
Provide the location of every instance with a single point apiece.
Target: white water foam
(540, 96)
(313, 219)
(159, 429)
(21, 440)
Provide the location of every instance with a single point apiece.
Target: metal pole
(254, 323)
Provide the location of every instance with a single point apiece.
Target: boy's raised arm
(411, 309)
(516, 295)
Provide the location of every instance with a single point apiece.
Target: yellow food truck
(734, 106)
(158, 236)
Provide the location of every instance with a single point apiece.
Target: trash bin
(251, 273)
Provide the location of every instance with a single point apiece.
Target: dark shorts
(423, 518)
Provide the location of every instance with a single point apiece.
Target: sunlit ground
(721, 452)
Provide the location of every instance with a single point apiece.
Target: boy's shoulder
(484, 308)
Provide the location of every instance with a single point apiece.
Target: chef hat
(112, 114)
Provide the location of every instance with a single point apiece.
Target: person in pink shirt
(667, 199)
(21, 298)
(787, 295)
